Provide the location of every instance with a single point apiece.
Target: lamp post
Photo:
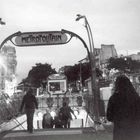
(80, 63)
(93, 67)
(2, 22)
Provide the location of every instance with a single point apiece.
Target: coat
(47, 121)
(125, 116)
(66, 112)
(29, 102)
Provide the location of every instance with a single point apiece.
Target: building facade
(135, 56)
(8, 69)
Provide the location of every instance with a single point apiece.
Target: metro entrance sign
(40, 38)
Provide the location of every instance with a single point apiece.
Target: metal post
(80, 75)
(93, 67)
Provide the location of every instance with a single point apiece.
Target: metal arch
(72, 34)
(9, 38)
(75, 35)
(68, 39)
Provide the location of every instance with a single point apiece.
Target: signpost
(40, 38)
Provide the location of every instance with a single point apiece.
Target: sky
(112, 22)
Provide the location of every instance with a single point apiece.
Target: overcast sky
(112, 22)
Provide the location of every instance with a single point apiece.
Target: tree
(126, 64)
(38, 73)
(117, 63)
(73, 72)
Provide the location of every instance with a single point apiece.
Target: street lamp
(88, 29)
(93, 67)
(2, 22)
(80, 76)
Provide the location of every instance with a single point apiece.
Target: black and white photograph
(70, 69)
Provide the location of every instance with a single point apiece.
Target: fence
(56, 101)
(9, 108)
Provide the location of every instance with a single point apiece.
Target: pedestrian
(47, 121)
(123, 110)
(43, 85)
(29, 102)
(58, 120)
(65, 113)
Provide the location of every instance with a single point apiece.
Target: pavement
(81, 129)
(19, 123)
(59, 134)
(80, 133)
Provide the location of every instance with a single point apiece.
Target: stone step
(52, 134)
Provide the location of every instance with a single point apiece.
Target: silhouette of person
(65, 113)
(43, 84)
(58, 120)
(47, 121)
(123, 110)
(30, 103)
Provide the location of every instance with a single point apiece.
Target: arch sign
(43, 38)
(40, 38)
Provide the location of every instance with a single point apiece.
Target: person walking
(29, 102)
(124, 110)
(58, 123)
(65, 113)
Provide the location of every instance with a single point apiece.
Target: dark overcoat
(126, 117)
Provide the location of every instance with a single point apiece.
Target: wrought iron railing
(56, 101)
